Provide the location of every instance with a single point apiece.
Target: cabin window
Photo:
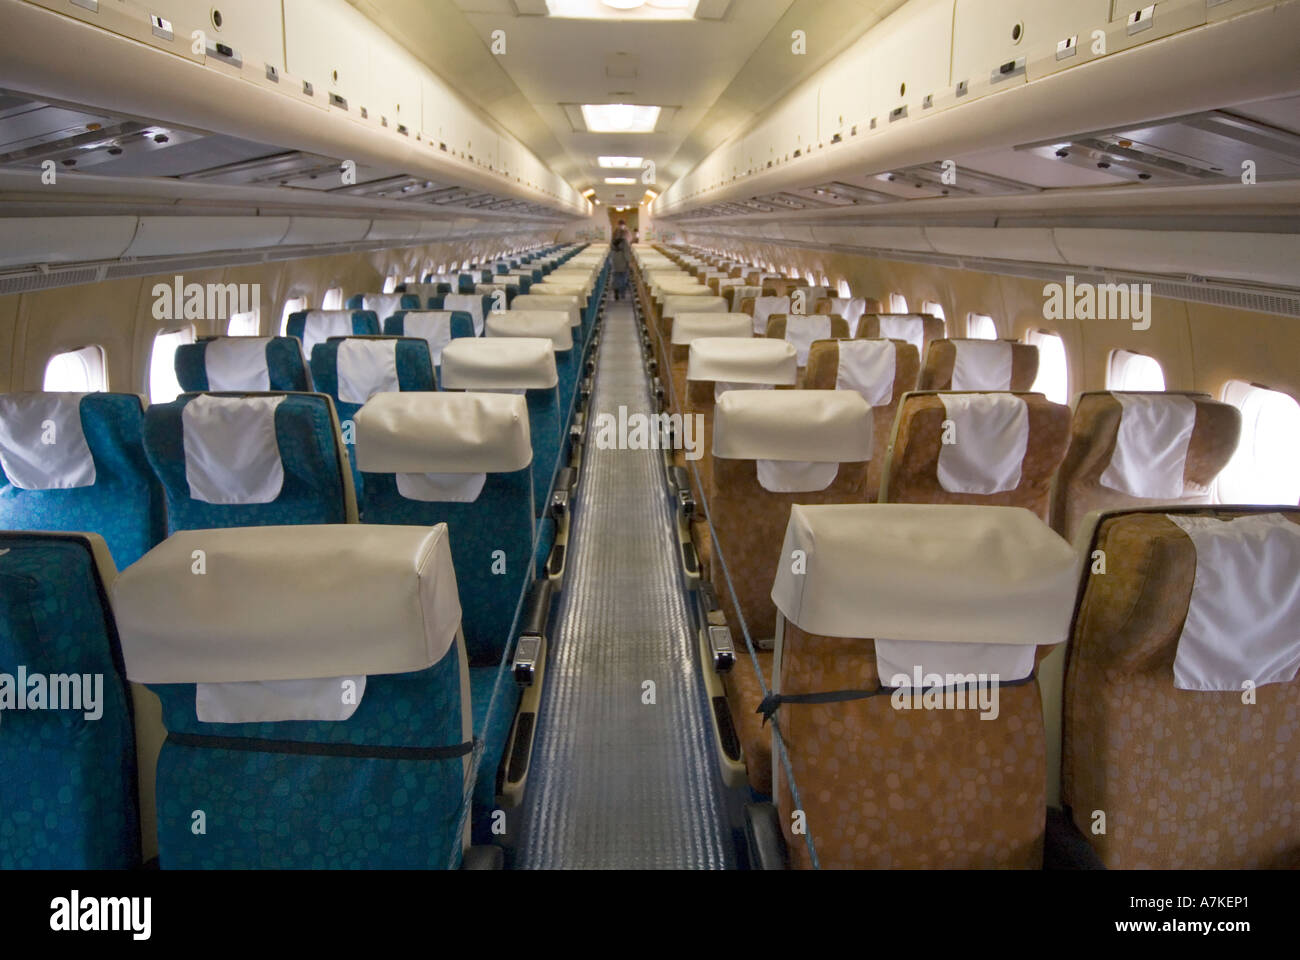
(292, 305)
(825, 281)
(1266, 466)
(1053, 379)
(811, 280)
(163, 385)
(897, 303)
(77, 371)
(935, 309)
(1134, 371)
(333, 299)
(244, 324)
(980, 326)
(409, 280)
(390, 283)
(843, 291)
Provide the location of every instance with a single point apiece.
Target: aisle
(616, 782)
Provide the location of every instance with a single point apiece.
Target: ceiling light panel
(620, 163)
(619, 117)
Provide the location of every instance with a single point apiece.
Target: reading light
(619, 117)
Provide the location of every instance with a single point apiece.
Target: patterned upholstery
(67, 782)
(906, 789)
(822, 374)
(941, 355)
(318, 812)
(460, 324)
(910, 474)
(125, 503)
(284, 364)
(1187, 779)
(317, 487)
(1093, 435)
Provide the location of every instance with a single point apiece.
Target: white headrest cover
(432, 326)
(764, 307)
(42, 444)
(549, 287)
(693, 304)
(237, 363)
(1245, 603)
(867, 366)
(927, 572)
(366, 367)
(851, 309)
(688, 327)
(552, 325)
(288, 603)
(497, 363)
(910, 328)
(232, 452)
(990, 433)
(320, 325)
(981, 365)
(542, 301)
(470, 303)
(1151, 444)
(818, 426)
(802, 329)
(383, 304)
(445, 432)
(734, 360)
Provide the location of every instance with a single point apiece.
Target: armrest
(680, 479)
(685, 500)
(1064, 847)
(483, 857)
(765, 840)
(566, 478)
(559, 505)
(532, 632)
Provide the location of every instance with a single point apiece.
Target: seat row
(859, 432)
(260, 482)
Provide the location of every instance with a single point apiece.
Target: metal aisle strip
(616, 782)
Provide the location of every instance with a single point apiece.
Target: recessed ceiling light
(619, 117)
(620, 179)
(621, 163)
(622, 9)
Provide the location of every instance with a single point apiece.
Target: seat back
(517, 364)
(969, 598)
(74, 462)
(476, 305)
(67, 760)
(1180, 692)
(800, 330)
(716, 365)
(499, 293)
(384, 305)
(552, 325)
(463, 459)
(882, 371)
(323, 662)
(250, 460)
(969, 364)
(1138, 449)
(997, 449)
(761, 309)
(918, 329)
(436, 328)
(771, 449)
(674, 305)
(570, 304)
(689, 327)
(850, 308)
(242, 363)
(316, 326)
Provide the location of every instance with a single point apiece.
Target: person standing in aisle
(619, 252)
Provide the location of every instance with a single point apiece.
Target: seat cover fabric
(867, 366)
(981, 365)
(366, 367)
(990, 435)
(1151, 447)
(232, 455)
(42, 443)
(237, 363)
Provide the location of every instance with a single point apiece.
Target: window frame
(1240, 393)
(300, 302)
(153, 354)
(1030, 338)
(975, 320)
(1114, 374)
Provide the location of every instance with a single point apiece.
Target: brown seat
(918, 329)
(922, 468)
(772, 449)
(984, 365)
(1095, 436)
(972, 598)
(1187, 769)
(802, 329)
(689, 327)
(840, 365)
